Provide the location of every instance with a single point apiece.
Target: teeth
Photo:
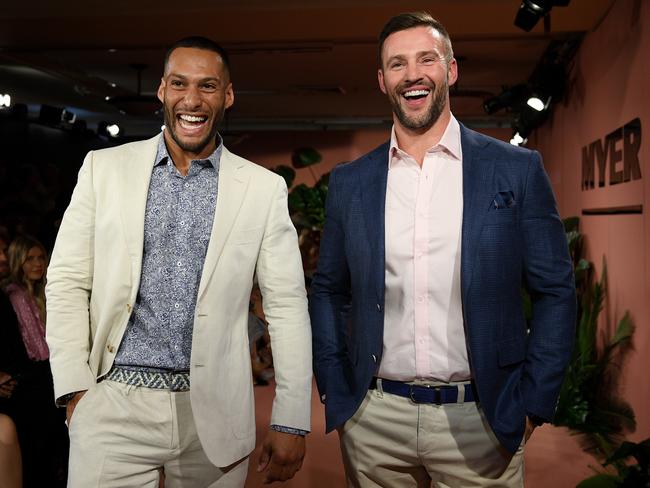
(192, 118)
(416, 93)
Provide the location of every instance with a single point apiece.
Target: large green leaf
(287, 172)
(305, 156)
(602, 480)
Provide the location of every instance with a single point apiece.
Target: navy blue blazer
(512, 236)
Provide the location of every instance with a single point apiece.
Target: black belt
(437, 395)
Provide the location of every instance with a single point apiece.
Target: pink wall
(271, 149)
(608, 88)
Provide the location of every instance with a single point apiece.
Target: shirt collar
(450, 141)
(162, 155)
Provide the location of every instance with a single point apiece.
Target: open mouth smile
(191, 124)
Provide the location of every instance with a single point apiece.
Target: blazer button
(128, 307)
(374, 358)
(110, 348)
(378, 307)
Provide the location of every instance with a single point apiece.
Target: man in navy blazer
(422, 354)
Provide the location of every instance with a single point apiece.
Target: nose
(192, 99)
(412, 72)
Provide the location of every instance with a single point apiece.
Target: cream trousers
(124, 436)
(392, 442)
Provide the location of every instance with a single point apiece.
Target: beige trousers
(392, 442)
(123, 436)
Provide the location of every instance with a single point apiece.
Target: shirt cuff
(289, 430)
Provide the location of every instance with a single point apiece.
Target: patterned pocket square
(504, 199)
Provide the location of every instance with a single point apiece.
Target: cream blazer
(94, 276)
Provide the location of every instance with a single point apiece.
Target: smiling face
(416, 75)
(195, 91)
(34, 265)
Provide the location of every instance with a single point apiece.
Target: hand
(530, 427)
(7, 385)
(282, 456)
(71, 405)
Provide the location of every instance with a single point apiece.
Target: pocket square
(504, 199)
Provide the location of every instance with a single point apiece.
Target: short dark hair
(199, 42)
(410, 20)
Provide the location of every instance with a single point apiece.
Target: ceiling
(296, 64)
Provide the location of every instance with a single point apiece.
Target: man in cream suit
(148, 293)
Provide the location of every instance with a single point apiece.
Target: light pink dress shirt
(424, 336)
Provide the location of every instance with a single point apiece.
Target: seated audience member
(24, 356)
(10, 465)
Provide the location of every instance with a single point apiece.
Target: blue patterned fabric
(177, 226)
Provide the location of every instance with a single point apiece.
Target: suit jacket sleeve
(281, 281)
(330, 294)
(69, 283)
(548, 274)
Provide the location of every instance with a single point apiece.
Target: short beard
(429, 118)
(197, 147)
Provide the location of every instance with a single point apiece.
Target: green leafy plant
(588, 403)
(626, 475)
(306, 203)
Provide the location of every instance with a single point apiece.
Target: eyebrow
(202, 80)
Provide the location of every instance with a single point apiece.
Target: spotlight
(517, 139)
(530, 11)
(508, 98)
(113, 130)
(109, 129)
(536, 103)
(5, 100)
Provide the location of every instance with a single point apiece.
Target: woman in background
(40, 425)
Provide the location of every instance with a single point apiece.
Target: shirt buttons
(177, 305)
(421, 299)
(179, 263)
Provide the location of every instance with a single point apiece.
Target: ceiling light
(109, 129)
(5, 100)
(530, 11)
(113, 130)
(536, 103)
(517, 139)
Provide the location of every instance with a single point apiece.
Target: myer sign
(613, 159)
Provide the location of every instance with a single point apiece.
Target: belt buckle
(437, 399)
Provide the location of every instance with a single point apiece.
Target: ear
(380, 78)
(161, 90)
(452, 72)
(230, 96)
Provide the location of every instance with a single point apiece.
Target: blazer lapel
(373, 176)
(136, 168)
(233, 183)
(477, 177)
